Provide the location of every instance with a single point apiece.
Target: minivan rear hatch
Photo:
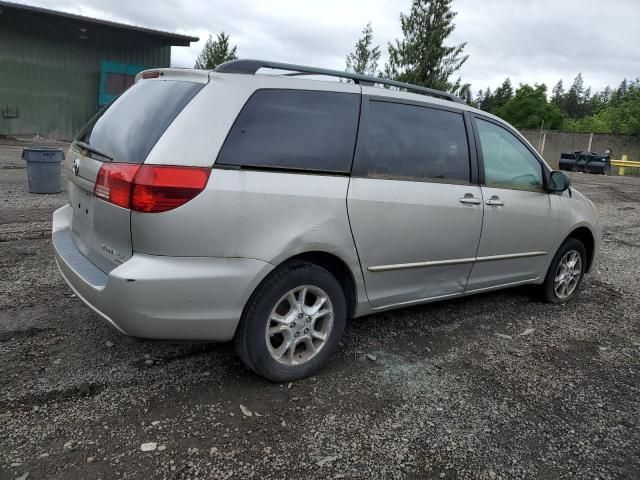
(118, 137)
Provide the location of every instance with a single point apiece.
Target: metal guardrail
(624, 164)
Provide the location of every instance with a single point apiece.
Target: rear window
(415, 143)
(294, 129)
(128, 128)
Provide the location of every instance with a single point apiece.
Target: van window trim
(269, 169)
(359, 169)
(277, 169)
(546, 170)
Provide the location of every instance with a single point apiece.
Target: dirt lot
(493, 386)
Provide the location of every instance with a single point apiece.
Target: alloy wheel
(299, 325)
(567, 274)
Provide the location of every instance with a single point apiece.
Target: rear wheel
(293, 323)
(566, 272)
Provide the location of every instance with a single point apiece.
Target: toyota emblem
(76, 166)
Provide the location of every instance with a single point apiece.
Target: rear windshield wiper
(88, 147)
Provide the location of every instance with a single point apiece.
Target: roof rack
(252, 66)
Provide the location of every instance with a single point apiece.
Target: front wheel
(565, 272)
(293, 323)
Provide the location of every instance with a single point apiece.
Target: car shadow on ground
(411, 328)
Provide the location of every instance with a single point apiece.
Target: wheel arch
(334, 265)
(330, 262)
(586, 236)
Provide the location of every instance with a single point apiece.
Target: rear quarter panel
(268, 216)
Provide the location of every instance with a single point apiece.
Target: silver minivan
(242, 204)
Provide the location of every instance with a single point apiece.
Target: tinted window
(129, 127)
(294, 129)
(507, 162)
(417, 143)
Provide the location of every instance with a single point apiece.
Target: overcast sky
(526, 40)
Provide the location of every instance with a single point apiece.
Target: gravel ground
(492, 386)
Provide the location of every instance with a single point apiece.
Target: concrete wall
(566, 142)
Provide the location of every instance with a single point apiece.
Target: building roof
(168, 37)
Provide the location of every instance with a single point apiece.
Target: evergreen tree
(597, 101)
(619, 92)
(585, 104)
(464, 92)
(622, 115)
(421, 57)
(503, 94)
(487, 101)
(216, 52)
(364, 59)
(558, 96)
(624, 86)
(477, 102)
(574, 97)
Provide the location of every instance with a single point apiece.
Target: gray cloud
(543, 41)
(528, 40)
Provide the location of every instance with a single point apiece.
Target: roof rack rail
(252, 66)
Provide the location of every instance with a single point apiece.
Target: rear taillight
(149, 188)
(162, 188)
(115, 182)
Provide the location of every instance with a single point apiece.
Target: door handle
(470, 200)
(495, 201)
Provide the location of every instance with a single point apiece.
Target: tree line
(576, 109)
(423, 57)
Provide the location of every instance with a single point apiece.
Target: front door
(415, 212)
(519, 225)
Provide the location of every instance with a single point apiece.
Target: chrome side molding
(405, 266)
(509, 256)
(454, 261)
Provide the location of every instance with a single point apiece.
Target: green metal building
(58, 69)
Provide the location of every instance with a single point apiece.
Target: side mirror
(559, 181)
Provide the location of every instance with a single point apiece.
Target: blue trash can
(43, 169)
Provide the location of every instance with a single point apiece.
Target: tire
(553, 293)
(271, 306)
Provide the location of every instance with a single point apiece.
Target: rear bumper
(160, 297)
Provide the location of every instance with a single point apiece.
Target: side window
(294, 129)
(416, 143)
(507, 162)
